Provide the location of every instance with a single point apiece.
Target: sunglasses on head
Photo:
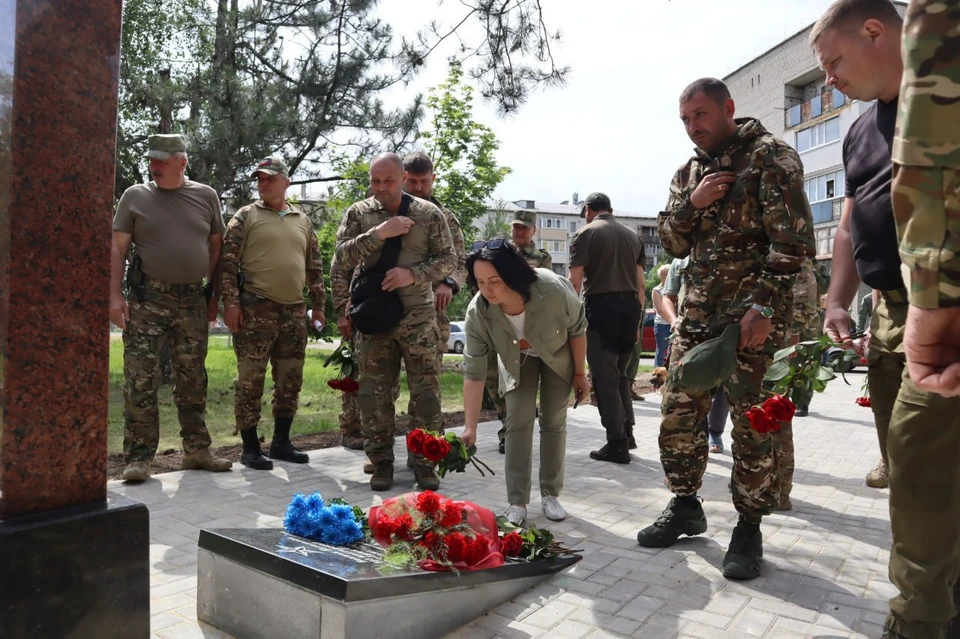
(493, 245)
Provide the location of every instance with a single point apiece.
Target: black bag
(373, 310)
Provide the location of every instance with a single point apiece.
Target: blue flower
(308, 516)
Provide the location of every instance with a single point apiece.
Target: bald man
(403, 245)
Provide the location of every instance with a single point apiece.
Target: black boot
(617, 452)
(745, 553)
(252, 456)
(281, 447)
(802, 411)
(631, 442)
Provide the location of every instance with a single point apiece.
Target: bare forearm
(845, 280)
(118, 261)
(578, 348)
(472, 400)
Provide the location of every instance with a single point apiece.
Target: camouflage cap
(272, 165)
(597, 201)
(525, 218)
(162, 146)
(710, 363)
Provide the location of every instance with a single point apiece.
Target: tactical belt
(166, 287)
(896, 296)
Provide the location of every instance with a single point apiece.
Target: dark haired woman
(534, 321)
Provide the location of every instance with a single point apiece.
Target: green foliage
(801, 366)
(496, 223)
(463, 152)
(651, 279)
(538, 543)
(345, 360)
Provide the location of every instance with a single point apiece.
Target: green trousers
(919, 436)
(634, 362)
(521, 413)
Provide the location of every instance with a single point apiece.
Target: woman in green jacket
(534, 321)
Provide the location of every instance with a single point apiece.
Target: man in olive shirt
(606, 261)
(176, 227)
(271, 244)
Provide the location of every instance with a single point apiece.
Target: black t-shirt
(869, 171)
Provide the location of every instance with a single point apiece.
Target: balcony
(824, 103)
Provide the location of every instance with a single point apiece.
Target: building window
(554, 246)
(573, 227)
(560, 269)
(818, 135)
(552, 223)
(821, 191)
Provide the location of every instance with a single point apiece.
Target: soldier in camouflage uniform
(738, 209)
(427, 255)
(923, 447)
(271, 246)
(351, 433)
(523, 230)
(177, 228)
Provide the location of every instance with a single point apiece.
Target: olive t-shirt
(609, 253)
(171, 228)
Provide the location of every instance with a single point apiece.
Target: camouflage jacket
(747, 247)
(926, 153)
(459, 275)
(231, 258)
(427, 248)
(340, 281)
(537, 258)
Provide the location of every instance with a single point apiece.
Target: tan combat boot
(204, 460)
(426, 476)
(368, 467)
(137, 471)
(878, 478)
(382, 478)
(352, 441)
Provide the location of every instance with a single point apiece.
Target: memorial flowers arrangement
(346, 360)
(434, 532)
(337, 523)
(447, 451)
(529, 545)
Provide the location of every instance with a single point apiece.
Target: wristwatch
(449, 281)
(765, 311)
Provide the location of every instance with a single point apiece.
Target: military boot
(631, 442)
(352, 441)
(382, 478)
(878, 477)
(203, 459)
(281, 447)
(137, 471)
(252, 456)
(617, 452)
(426, 475)
(745, 553)
(679, 518)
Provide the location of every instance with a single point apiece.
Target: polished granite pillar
(73, 559)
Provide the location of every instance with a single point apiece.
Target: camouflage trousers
(683, 441)
(414, 343)
(349, 419)
(443, 332)
(178, 313)
(271, 333)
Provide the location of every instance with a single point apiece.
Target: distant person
(665, 318)
(177, 228)
(606, 265)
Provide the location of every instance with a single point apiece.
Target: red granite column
(58, 116)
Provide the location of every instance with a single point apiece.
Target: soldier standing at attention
(606, 264)
(426, 256)
(351, 434)
(177, 228)
(271, 246)
(738, 209)
(418, 182)
(523, 230)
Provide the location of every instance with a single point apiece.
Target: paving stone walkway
(825, 573)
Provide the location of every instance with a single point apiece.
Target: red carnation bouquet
(864, 399)
(346, 360)
(447, 451)
(436, 533)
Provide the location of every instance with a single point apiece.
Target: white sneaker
(516, 514)
(552, 508)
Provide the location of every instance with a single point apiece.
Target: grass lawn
(319, 404)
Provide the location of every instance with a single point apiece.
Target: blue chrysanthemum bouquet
(337, 523)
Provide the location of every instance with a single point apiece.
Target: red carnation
(779, 408)
(404, 527)
(429, 539)
(436, 449)
(511, 544)
(451, 516)
(349, 385)
(863, 401)
(759, 420)
(386, 525)
(415, 440)
(334, 384)
(477, 549)
(456, 545)
(428, 502)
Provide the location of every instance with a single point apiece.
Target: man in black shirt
(857, 43)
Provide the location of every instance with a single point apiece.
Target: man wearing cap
(177, 229)
(738, 210)
(269, 252)
(523, 230)
(606, 264)
(426, 255)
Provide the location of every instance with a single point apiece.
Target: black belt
(896, 295)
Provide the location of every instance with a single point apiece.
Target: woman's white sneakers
(516, 514)
(552, 508)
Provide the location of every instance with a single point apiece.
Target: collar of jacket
(748, 130)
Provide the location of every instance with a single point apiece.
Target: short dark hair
(417, 163)
(846, 13)
(511, 266)
(713, 88)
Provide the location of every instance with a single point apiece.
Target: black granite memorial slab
(352, 573)
(77, 572)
